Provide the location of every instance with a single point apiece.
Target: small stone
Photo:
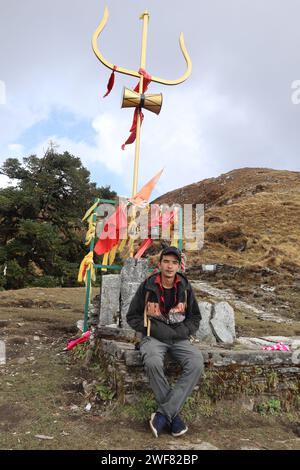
(74, 407)
(206, 446)
(249, 448)
(36, 338)
(42, 436)
(22, 360)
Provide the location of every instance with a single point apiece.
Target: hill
(252, 229)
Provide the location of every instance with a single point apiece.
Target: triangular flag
(142, 197)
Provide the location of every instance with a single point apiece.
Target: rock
(209, 267)
(257, 343)
(296, 429)
(249, 448)
(74, 407)
(205, 332)
(223, 323)
(116, 332)
(292, 341)
(196, 445)
(22, 360)
(2, 353)
(246, 403)
(132, 274)
(16, 340)
(267, 288)
(110, 299)
(253, 343)
(206, 446)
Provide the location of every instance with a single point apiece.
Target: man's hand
(180, 308)
(153, 309)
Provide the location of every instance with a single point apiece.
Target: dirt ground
(42, 402)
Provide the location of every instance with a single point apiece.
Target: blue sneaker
(157, 423)
(178, 427)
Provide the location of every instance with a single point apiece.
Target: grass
(45, 395)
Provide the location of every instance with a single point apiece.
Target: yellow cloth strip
(105, 261)
(88, 212)
(130, 244)
(90, 234)
(86, 264)
(122, 245)
(112, 254)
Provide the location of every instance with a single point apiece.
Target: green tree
(41, 233)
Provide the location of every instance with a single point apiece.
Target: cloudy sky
(236, 110)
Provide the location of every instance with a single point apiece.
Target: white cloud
(16, 148)
(179, 139)
(234, 111)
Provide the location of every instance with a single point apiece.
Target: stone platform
(229, 373)
(234, 367)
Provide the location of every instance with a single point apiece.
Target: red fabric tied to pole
(132, 137)
(111, 82)
(110, 235)
(146, 82)
(132, 131)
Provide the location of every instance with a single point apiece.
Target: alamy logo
(2, 353)
(296, 93)
(155, 221)
(2, 92)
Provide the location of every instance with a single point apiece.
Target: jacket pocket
(181, 330)
(161, 330)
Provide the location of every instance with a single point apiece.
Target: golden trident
(133, 73)
(130, 101)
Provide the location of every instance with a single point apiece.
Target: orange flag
(142, 197)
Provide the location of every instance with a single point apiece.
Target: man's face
(169, 266)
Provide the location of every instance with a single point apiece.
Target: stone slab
(110, 299)
(223, 322)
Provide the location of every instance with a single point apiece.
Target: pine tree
(41, 233)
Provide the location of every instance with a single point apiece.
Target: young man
(165, 311)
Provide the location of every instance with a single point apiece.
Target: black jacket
(163, 330)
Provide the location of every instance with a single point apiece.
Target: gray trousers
(170, 400)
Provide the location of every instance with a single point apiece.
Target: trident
(133, 73)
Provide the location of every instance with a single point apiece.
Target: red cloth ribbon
(80, 340)
(132, 131)
(111, 82)
(146, 82)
